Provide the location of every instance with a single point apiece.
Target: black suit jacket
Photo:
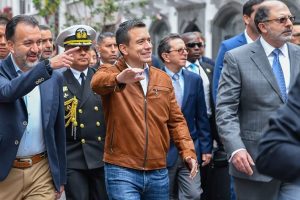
(85, 146)
(279, 148)
(209, 70)
(208, 60)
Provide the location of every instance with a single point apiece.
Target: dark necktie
(277, 70)
(82, 76)
(177, 88)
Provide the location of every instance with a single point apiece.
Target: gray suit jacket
(248, 95)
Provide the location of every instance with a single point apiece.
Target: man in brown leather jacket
(142, 114)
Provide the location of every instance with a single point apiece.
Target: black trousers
(86, 184)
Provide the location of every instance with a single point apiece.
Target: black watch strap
(48, 67)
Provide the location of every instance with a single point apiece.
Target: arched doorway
(227, 23)
(191, 27)
(158, 30)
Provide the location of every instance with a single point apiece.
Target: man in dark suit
(32, 139)
(279, 147)
(190, 97)
(85, 126)
(203, 58)
(254, 84)
(249, 35)
(194, 44)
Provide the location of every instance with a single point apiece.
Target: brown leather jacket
(138, 126)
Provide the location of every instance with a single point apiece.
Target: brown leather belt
(27, 162)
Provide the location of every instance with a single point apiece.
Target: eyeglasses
(282, 20)
(194, 44)
(180, 51)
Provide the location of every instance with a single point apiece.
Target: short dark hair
(122, 36)
(44, 27)
(164, 44)
(3, 20)
(12, 24)
(248, 6)
(261, 15)
(104, 35)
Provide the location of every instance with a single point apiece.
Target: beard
(31, 64)
(283, 37)
(23, 62)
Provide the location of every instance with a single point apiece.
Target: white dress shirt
(248, 38)
(32, 141)
(206, 84)
(283, 59)
(77, 73)
(145, 81)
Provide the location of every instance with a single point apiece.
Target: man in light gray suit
(254, 83)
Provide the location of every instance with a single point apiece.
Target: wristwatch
(48, 66)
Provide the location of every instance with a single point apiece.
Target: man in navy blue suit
(249, 35)
(32, 139)
(189, 94)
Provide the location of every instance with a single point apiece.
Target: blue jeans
(125, 183)
(290, 191)
(232, 192)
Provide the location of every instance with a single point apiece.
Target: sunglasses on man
(194, 44)
(282, 20)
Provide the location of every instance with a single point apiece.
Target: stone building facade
(216, 19)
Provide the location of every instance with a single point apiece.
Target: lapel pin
(65, 88)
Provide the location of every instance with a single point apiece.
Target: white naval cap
(77, 35)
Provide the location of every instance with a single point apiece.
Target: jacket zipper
(146, 122)
(146, 144)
